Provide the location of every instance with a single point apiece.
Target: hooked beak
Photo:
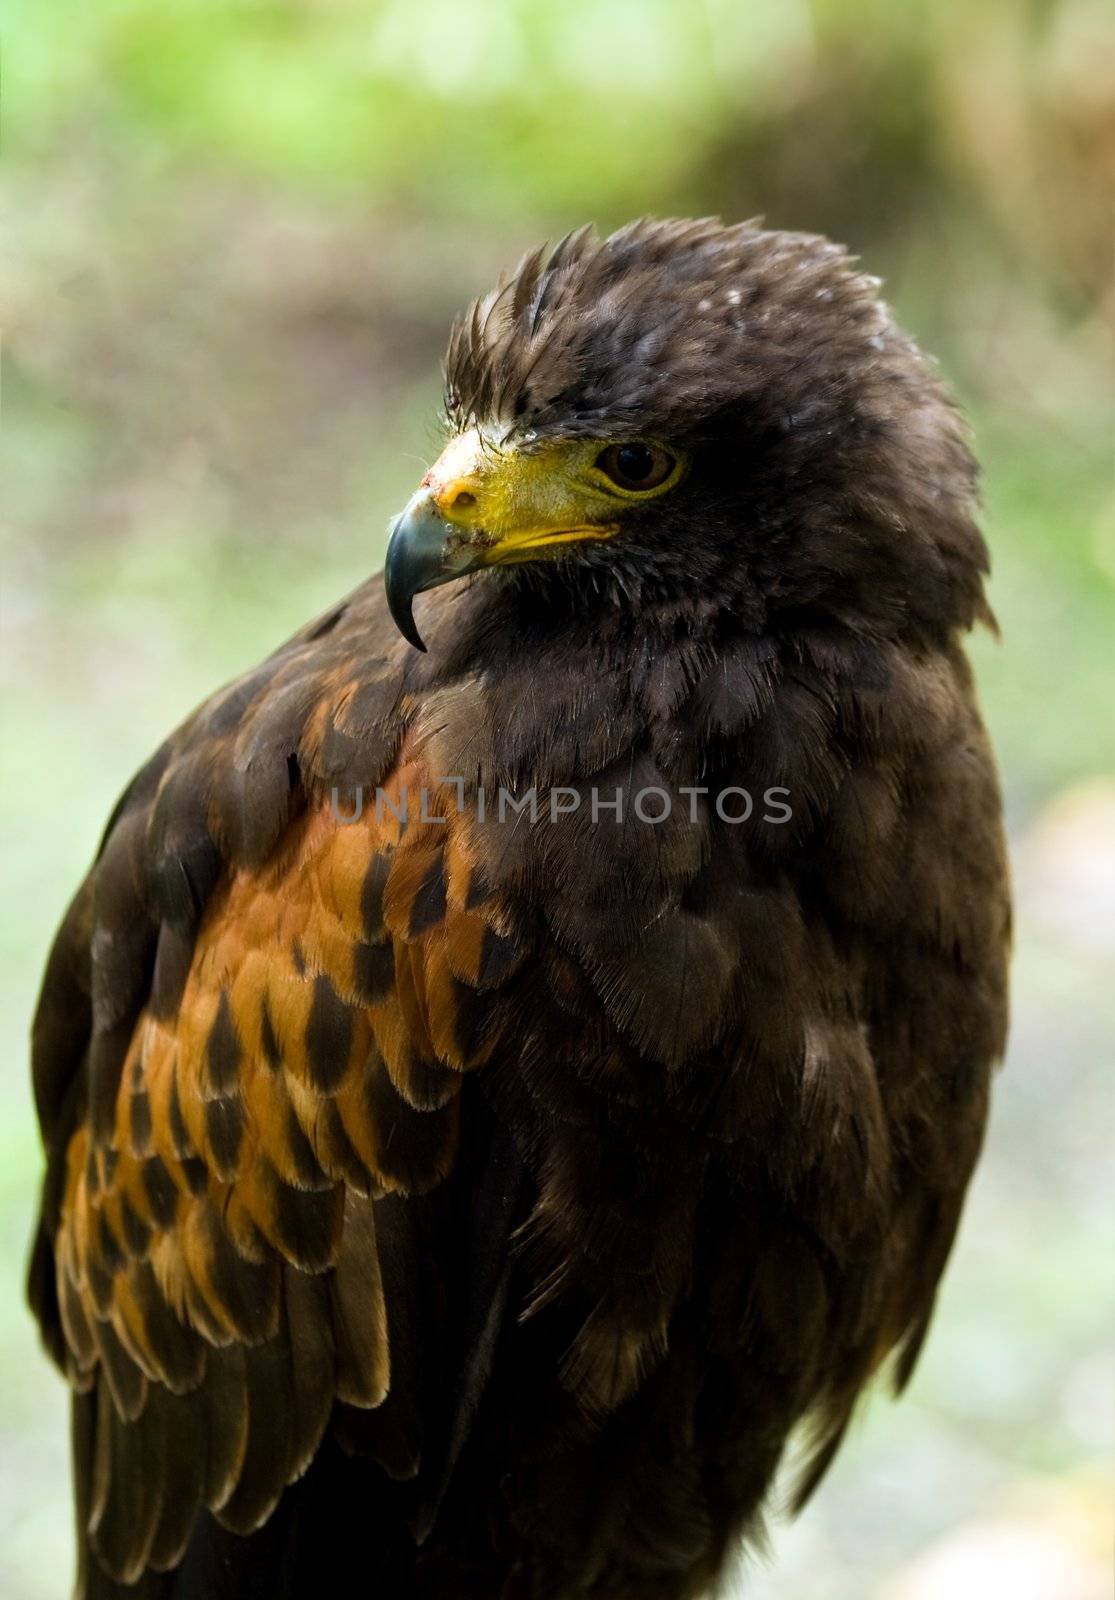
(424, 551)
(487, 503)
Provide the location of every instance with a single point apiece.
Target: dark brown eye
(636, 466)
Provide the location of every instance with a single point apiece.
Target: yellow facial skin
(511, 504)
(489, 502)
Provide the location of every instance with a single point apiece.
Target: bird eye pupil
(636, 466)
(635, 462)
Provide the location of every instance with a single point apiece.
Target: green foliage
(594, 103)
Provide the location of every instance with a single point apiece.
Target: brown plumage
(472, 1204)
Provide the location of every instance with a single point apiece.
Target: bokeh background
(234, 235)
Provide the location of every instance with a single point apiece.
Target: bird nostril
(462, 501)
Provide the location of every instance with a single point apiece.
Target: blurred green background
(234, 235)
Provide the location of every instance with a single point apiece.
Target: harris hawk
(509, 1066)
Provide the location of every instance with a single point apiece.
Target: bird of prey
(520, 1052)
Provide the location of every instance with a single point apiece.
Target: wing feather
(263, 1045)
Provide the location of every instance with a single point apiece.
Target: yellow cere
(513, 499)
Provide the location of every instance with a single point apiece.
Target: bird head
(724, 416)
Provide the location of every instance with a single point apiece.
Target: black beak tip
(401, 582)
(401, 608)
